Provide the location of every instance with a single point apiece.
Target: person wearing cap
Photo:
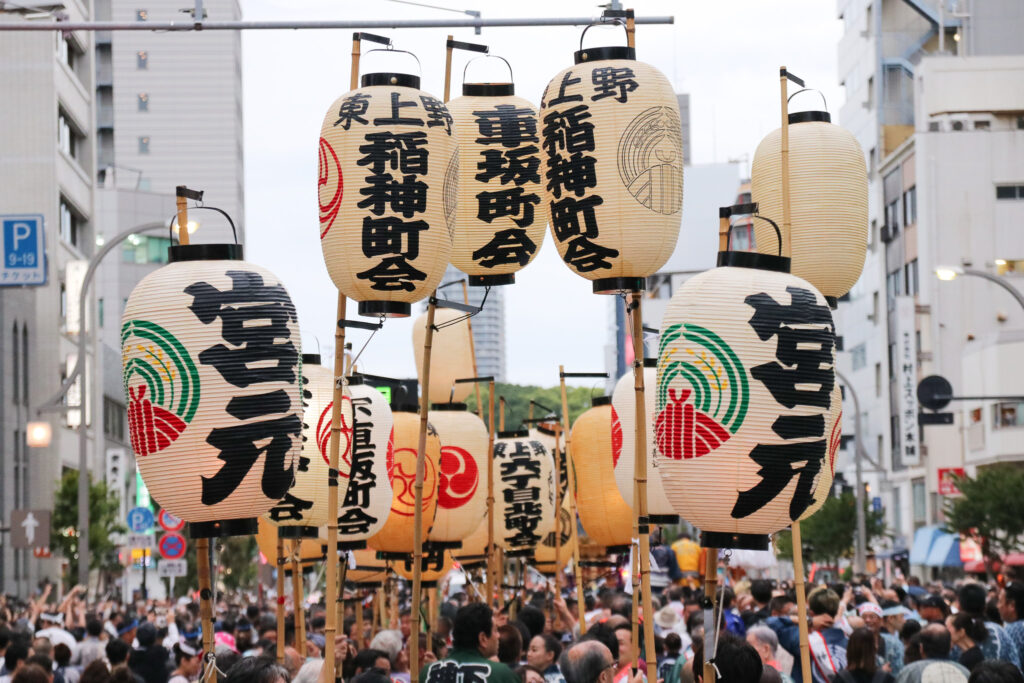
(1011, 609)
(149, 660)
(890, 650)
(667, 620)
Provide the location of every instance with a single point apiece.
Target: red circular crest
(459, 478)
(616, 438)
(323, 436)
(330, 186)
(402, 473)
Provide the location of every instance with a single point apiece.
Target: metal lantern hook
(802, 90)
(174, 219)
(391, 48)
(511, 75)
(615, 21)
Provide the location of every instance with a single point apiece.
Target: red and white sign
(947, 480)
(169, 522)
(172, 546)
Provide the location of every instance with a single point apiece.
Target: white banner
(905, 362)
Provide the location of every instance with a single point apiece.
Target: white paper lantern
(451, 356)
(210, 347)
(524, 496)
(462, 484)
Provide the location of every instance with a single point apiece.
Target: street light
(948, 273)
(38, 434)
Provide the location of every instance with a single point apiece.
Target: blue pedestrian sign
(140, 520)
(876, 504)
(22, 247)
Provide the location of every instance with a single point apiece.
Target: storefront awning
(923, 539)
(945, 551)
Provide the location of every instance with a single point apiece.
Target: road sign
(171, 546)
(934, 392)
(140, 541)
(23, 249)
(171, 568)
(30, 529)
(169, 522)
(140, 520)
(876, 504)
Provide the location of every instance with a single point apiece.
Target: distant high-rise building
(488, 325)
(684, 119)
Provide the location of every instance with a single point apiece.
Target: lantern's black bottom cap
(752, 259)
(204, 252)
(311, 359)
(350, 545)
(305, 568)
(663, 519)
(297, 531)
(523, 552)
(833, 302)
(614, 285)
(492, 280)
(717, 539)
(598, 563)
(390, 309)
(441, 546)
(365, 584)
(223, 528)
(472, 564)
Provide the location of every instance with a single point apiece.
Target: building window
(141, 15)
(982, 125)
(859, 356)
(70, 224)
(69, 139)
(145, 249)
(741, 237)
(910, 206)
(143, 144)
(933, 127)
(1008, 414)
(878, 379)
(892, 217)
(143, 100)
(113, 419)
(894, 285)
(911, 282)
(99, 310)
(1009, 266)
(1009, 191)
(25, 365)
(917, 492)
(141, 59)
(63, 304)
(894, 439)
(15, 366)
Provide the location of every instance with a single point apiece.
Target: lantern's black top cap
(650, 362)
(311, 359)
(448, 406)
(354, 380)
(488, 89)
(204, 252)
(751, 259)
(514, 434)
(406, 408)
(390, 78)
(805, 116)
(600, 401)
(594, 54)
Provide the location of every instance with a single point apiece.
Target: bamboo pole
(299, 609)
(182, 207)
(801, 603)
(501, 415)
(280, 597)
(710, 598)
(784, 157)
(448, 68)
(491, 567)
(630, 29)
(581, 607)
(203, 568)
(417, 541)
(723, 229)
(472, 352)
(558, 511)
(360, 628)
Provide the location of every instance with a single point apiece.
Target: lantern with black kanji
(305, 550)
(387, 186)
(367, 571)
(744, 393)
(397, 534)
(501, 218)
(659, 508)
(545, 433)
(524, 495)
(606, 517)
(828, 189)
(545, 553)
(211, 356)
(462, 480)
(365, 498)
(451, 357)
(827, 475)
(304, 506)
(612, 167)
(433, 568)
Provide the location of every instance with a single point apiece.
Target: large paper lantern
(366, 498)
(368, 570)
(304, 506)
(605, 516)
(462, 480)
(545, 433)
(397, 534)
(612, 167)
(501, 219)
(210, 347)
(659, 508)
(474, 546)
(828, 189)
(827, 475)
(433, 568)
(387, 189)
(310, 550)
(745, 380)
(451, 355)
(524, 495)
(544, 555)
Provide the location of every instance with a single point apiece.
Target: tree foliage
(991, 508)
(831, 532)
(104, 520)
(518, 397)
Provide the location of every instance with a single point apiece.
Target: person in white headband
(187, 661)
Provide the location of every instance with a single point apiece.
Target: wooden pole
(472, 352)
(360, 627)
(203, 568)
(801, 603)
(280, 597)
(723, 229)
(634, 578)
(448, 68)
(710, 599)
(630, 29)
(182, 206)
(501, 415)
(558, 511)
(581, 607)
(334, 447)
(417, 541)
(784, 157)
(491, 567)
(299, 609)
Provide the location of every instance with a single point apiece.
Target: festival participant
(188, 662)
(1011, 609)
(971, 599)
(827, 643)
(933, 645)
(474, 643)
(889, 647)
(542, 656)
(862, 659)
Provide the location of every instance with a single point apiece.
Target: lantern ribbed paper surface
(624, 444)
(474, 546)
(211, 359)
(605, 516)
(745, 379)
(368, 569)
(436, 567)
(544, 555)
(387, 185)
(305, 503)
(545, 433)
(462, 485)
(451, 356)
(365, 504)
(612, 166)
(500, 219)
(397, 534)
(524, 496)
(828, 201)
(827, 475)
(310, 549)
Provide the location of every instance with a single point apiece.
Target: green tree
(991, 508)
(832, 530)
(518, 397)
(104, 520)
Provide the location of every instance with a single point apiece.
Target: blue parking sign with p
(22, 247)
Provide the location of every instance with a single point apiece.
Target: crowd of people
(859, 632)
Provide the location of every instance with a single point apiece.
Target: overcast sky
(725, 54)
